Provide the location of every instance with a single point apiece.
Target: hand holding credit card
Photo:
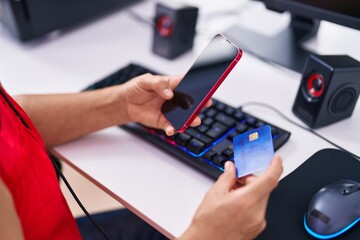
(253, 151)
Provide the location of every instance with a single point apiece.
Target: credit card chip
(253, 136)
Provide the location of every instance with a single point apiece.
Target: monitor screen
(286, 48)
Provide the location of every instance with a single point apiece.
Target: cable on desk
(139, 18)
(265, 105)
(58, 170)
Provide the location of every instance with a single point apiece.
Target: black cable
(58, 170)
(297, 124)
(139, 18)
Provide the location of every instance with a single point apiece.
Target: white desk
(156, 186)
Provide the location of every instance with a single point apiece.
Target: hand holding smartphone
(198, 85)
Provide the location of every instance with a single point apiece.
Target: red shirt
(28, 173)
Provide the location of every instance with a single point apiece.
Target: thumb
(228, 179)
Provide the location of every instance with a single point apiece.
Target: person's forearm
(63, 117)
(10, 226)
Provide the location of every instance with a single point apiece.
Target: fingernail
(169, 131)
(168, 93)
(227, 165)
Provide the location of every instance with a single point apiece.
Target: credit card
(253, 151)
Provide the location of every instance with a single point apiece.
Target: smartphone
(198, 85)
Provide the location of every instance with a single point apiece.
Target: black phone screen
(200, 80)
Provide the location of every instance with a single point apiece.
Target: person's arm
(231, 212)
(10, 227)
(63, 117)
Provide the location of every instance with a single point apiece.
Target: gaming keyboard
(206, 147)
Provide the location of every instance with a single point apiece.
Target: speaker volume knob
(315, 85)
(164, 26)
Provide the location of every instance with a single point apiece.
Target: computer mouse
(333, 210)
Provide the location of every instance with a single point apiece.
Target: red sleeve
(27, 171)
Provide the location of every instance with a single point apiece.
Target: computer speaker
(174, 30)
(328, 90)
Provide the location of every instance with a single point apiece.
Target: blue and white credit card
(253, 151)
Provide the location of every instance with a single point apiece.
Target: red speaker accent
(164, 26)
(315, 85)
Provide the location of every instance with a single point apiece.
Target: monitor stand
(284, 49)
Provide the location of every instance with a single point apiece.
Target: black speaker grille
(343, 100)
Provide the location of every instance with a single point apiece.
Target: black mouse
(333, 210)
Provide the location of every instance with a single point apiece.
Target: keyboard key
(209, 155)
(229, 110)
(208, 121)
(259, 124)
(191, 131)
(195, 146)
(228, 153)
(199, 136)
(220, 106)
(217, 130)
(211, 112)
(250, 120)
(239, 115)
(222, 145)
(182, 139)
(202, 128)
(241, 128)
(202, 116)
(228, 121)
(219, 160)
(172, 137)
(160, 132)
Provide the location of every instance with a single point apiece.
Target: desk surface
(155, 185)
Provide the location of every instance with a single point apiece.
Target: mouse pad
(289, 201)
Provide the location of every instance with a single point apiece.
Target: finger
(195, 122)
(164, 124)
(175, 80)
(265, 183)
(159, 84)
(275, 170)
(169, 130)
(227, 180)
(208, 104)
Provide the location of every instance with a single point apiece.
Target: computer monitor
(31, 19)
(286, 48)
